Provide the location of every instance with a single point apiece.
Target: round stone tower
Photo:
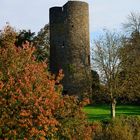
(69, 46)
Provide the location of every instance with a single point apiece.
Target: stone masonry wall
(69, 33)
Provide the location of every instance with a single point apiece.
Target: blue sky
(34, 14)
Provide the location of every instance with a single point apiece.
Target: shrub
(122, 128)
(73, 122)
(118, 130)
(98, 131)
(28, 92)
(31, 104)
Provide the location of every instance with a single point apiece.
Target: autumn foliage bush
(120, 128)
(31, 104)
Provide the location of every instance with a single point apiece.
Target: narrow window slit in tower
(63, 44)
(89, 59)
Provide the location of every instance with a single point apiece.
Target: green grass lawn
(102, 112)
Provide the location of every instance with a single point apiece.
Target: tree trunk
(113, 106)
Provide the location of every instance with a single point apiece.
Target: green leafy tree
(95, 86)
(24, 36)
(42, 43)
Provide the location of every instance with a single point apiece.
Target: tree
(31, 104)
(130, 57)
(95, 86)
(107, 63)
(42, 43)
(133, 23)
(24, 36)
(98, 90)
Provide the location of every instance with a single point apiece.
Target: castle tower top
(79, 0)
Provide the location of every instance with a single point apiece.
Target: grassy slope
(102, 112)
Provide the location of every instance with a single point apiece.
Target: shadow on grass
(92, 117)
(128, 110)
(128, 113)
(100, 107)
